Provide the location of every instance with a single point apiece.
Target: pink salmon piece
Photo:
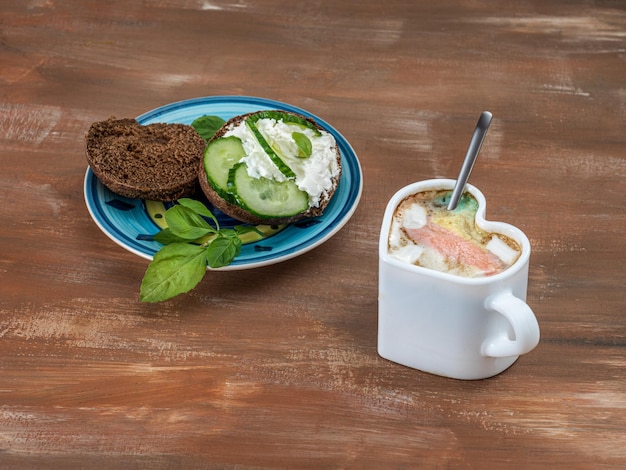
(453, 246)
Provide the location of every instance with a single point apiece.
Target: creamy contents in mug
(425, 233)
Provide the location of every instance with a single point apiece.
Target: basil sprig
(190, 244)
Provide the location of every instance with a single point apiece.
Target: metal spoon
(470, 158)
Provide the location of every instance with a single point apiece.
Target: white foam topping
(409, 253)
(414, 217)
(503, 251)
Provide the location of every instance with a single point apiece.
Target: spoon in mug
(470, 158)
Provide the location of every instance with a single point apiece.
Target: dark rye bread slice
(243, 215)
(156, 161)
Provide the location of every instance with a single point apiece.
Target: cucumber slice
(267, 148)
(264, 197)
(219, 157)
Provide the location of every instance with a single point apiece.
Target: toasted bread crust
(238, 212)
(156, 161)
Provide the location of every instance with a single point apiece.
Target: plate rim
(309, 244)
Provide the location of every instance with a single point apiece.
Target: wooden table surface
(277, 367)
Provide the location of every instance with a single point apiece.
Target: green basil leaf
(175, 269)
(207, 126)
(199, 208)
(166, 237)
(222, 251)
(305, 147)
(185, 223)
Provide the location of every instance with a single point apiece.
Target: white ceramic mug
(444, 324)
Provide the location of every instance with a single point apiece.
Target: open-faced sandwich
(270, 167)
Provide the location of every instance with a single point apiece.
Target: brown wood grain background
(277, 367)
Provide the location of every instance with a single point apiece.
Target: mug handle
(523, 322)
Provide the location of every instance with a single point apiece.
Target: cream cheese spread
(314, 174)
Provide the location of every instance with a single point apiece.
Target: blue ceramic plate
(131, 223)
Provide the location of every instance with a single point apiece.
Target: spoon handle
(470, 157)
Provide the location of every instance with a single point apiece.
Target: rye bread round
(155, 161)
(243, 215)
